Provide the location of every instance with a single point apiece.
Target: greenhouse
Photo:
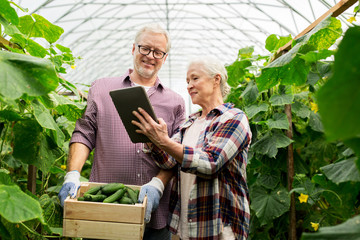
(254, 110)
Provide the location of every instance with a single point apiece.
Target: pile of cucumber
(111, 193)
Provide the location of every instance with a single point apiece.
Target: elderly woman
(210, 197)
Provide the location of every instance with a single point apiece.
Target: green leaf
(48, 154)
(46, 120)
(31, 46)
(269, 144)
(315, 56)
(245, 52)
(315, 122)
(300, 109)
(254, 109)
(339, 98)
(281, 100)
(5, 179)
(63, 49)
(16, 206)
(269, 205)
(273, 42)
(279, 121)
(23, 74)
(342, 171)
(27, 141)
(9, 29)
(8, 12)
(10, 115)
(269, 180)
(250, 93)
(349, 230)
(237, 71)
(40, 28)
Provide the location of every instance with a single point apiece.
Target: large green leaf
(300, 109)
(48, 154)
(23, 74)
(250, 93)
(342, 171)
(46, 120)
(269, 144)
(281, 100)
(254, 109)
(315, 122)
(269, 205)
(236, 72)
(279, 121)
(349, 230)
(27, 141)
(40, 28)
(339, 98)
(274, 42)
(8, 12)
(16, 206)
(32, 47)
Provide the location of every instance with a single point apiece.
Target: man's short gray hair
(214, 66)
(154, 28)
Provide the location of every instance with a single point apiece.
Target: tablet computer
(127, 100)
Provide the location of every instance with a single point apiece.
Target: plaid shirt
(219, 196)
(116, 158)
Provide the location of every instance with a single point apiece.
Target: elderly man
(116, 158)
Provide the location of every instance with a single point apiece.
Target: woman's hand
(156, 132)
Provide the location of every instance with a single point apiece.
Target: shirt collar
(127, 80)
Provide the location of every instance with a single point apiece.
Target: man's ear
(133, 49)
(165, 58)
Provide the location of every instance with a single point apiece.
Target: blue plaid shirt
(219, 196)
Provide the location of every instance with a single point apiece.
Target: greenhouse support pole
(31, 181)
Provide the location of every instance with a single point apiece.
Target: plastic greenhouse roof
(102, 32)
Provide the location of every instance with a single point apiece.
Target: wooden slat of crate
(102, 230)
(107, 212)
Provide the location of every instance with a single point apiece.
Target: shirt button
(138, 151)
(190, 220)
(138, 175)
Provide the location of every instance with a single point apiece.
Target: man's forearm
(78, 153)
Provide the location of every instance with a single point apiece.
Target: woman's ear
(217, 79)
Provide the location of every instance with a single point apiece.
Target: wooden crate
(103, 220)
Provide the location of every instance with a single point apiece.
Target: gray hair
(154, 28)
(213, 66)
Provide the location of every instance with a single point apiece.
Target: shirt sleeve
(226, 141)
(86, 126)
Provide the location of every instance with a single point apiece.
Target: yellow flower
(73, 66)
(351, 19)
(315, 225)
(314, 107)
(247, 79)
(63, 167)
(303, 198)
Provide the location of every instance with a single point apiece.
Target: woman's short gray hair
(154, 28)
(214, 66)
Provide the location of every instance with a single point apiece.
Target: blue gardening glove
(153, 190)
(70, 186)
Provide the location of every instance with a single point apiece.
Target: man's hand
(153, 190)
(70, 186)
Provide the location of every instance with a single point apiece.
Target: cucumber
(110, 188)
(95, 198)
(126, 200)
(81, 199)
(93, 190)
(132, 195)
(117, 195)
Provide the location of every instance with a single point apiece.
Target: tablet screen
(127, 100)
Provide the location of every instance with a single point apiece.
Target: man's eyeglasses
(146, 51)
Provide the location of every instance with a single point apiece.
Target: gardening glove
(153, 190)
(70, 186)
